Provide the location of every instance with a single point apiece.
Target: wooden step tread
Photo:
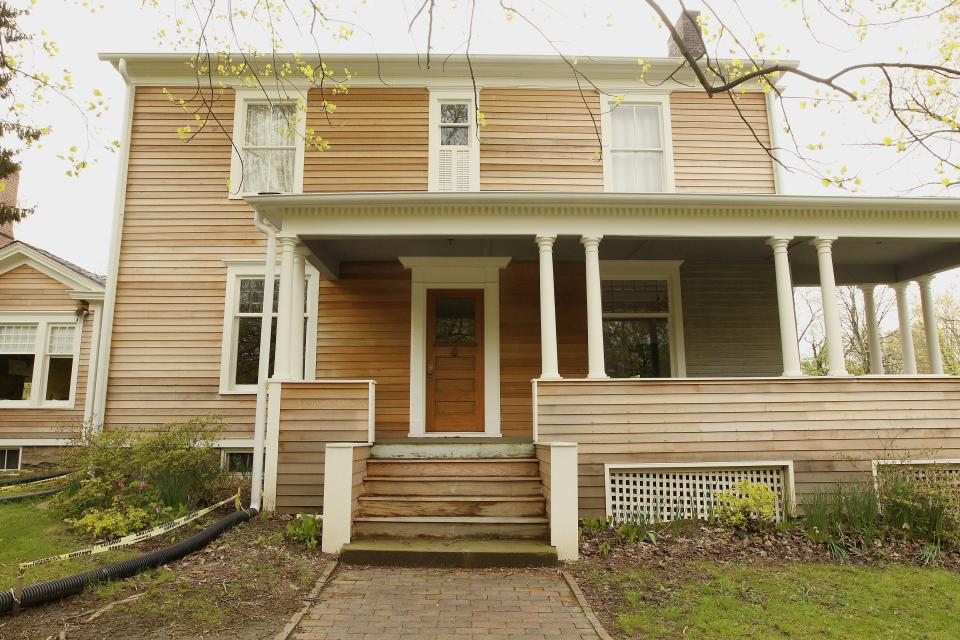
(453, 460)
(453, 498)
(419, 552)
(457, 519)
(448, 478)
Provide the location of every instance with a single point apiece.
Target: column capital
(779, 242)
(823, 243)
(867, 287)
(591, 242)
(287, 241)
(899, 287)
(546, 242)
(925, 281)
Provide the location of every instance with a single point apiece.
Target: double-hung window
(243, 321)
(269, 145)
(636, 147)
(642, 326)
(38, 359)
(454, 149)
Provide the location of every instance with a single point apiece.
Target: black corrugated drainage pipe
(33, 477)
(32, 494)
(51, 590)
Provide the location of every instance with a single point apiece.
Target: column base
(550, 376)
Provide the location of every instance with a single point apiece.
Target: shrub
(132, 480)
(749, 506)
(921, 504)
(306, 529)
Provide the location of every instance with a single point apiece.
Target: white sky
(73, 214)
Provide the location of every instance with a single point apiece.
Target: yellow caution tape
(27, 486)
(133, 538)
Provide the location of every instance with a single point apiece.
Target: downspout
(260, 417)
(113, 264)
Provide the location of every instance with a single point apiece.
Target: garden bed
(246, 584)
(702, 581)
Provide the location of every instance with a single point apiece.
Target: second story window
(454, 148)
(637, 157)
(268, 136)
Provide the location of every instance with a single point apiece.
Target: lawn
(712, 599)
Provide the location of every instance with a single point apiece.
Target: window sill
(250, 390)
(26, 404)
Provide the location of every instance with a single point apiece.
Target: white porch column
(549, 368)
(282, 366)
(297, 301)
(789, 347)
(928, 305)
(906, 334)
(873, 331)
(591, 247)
(831, 307)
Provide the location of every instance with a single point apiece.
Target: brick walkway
(378, 603)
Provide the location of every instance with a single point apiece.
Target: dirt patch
(246, 584)
(677, 558)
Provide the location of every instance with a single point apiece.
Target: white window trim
(668, 270)
(455, 273)
(38, 389)
(662, 101)
(224, 453)
(244, 97)
(437, 97)
(19, 457)
(237, 269)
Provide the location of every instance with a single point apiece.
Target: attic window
(454, 148)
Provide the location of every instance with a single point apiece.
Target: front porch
(652, 334)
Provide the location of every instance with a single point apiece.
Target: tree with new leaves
(911, 99)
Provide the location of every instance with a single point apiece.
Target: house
(50, 311)
(583, 307)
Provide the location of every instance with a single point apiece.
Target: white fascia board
(18, 254)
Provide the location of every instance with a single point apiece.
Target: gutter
(113, 265)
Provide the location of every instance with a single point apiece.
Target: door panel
(454, 360)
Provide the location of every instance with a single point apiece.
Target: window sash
(54, 338)
(272, 155)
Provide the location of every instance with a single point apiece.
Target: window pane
(649, 171)
(59, 373)
(456, 321)
(454, 114)
(268, 170)
(248, 350)
(647, 127)
(16, 373)
(634, 296)
(251, 295)
(624, 127)
(9, 459)
(453, 136)
(18, 338)
(636, 347)
(239, 461)
(625, 172)
(269, 125)
(60, 341)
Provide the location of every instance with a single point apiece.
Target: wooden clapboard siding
(26, 289)
(831, 428)
(313, 414)
(178, 228)
(364, 333)
(714, 150)
(540, 140)
(730, 321)
(378, 141)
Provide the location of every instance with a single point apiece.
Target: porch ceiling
(856, 260)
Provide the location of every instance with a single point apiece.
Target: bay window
(39, 354)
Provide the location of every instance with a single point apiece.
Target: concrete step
(451, 450)
(432, 506)
(454, 467)
(526, 527)
(447, 486)
(450, 553)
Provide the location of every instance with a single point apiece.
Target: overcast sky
(73, 214)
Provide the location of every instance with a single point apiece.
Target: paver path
(380, 603)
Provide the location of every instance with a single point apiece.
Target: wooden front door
(454, 360)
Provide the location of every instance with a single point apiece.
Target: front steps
(470, 506)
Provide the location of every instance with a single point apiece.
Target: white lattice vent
(920, 469)
(661, 493)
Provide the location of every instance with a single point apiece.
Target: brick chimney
(9, 197)
(689, 31)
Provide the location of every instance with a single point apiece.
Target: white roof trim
(81, 287)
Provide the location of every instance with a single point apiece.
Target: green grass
(800, 600)
(30, 533)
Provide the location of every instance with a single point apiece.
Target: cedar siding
(26, 289)
(714, 150)
(178, 228)
(540, 140)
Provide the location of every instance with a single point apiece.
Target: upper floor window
(38, 359)
(268, 136)
(454, 148)
(637, 156)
